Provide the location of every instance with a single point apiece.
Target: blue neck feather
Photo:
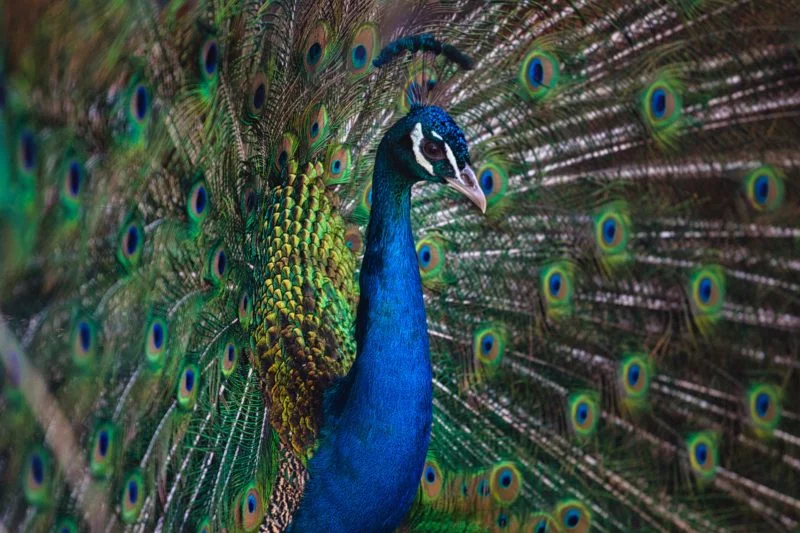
(366, 471)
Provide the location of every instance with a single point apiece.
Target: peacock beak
(466, 184)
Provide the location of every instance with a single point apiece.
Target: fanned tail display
(185, 188)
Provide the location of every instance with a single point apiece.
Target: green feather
(184, 192)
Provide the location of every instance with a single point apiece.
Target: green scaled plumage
(184, 193)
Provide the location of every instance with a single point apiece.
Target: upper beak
(466, 184)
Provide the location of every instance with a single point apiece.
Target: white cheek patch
(452, 158)
(416, 144)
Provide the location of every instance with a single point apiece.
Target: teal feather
(185, 189)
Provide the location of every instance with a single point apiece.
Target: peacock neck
(365, 473)
(391, 310)
(390, 380)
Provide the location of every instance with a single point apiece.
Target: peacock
(414, 266)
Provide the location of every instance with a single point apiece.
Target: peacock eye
(433, 150)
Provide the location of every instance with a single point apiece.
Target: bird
(419, 266)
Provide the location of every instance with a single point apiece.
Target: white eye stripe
(436, 135)
(452, 158)
(416, 145)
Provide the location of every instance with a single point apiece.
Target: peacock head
(427, 145)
